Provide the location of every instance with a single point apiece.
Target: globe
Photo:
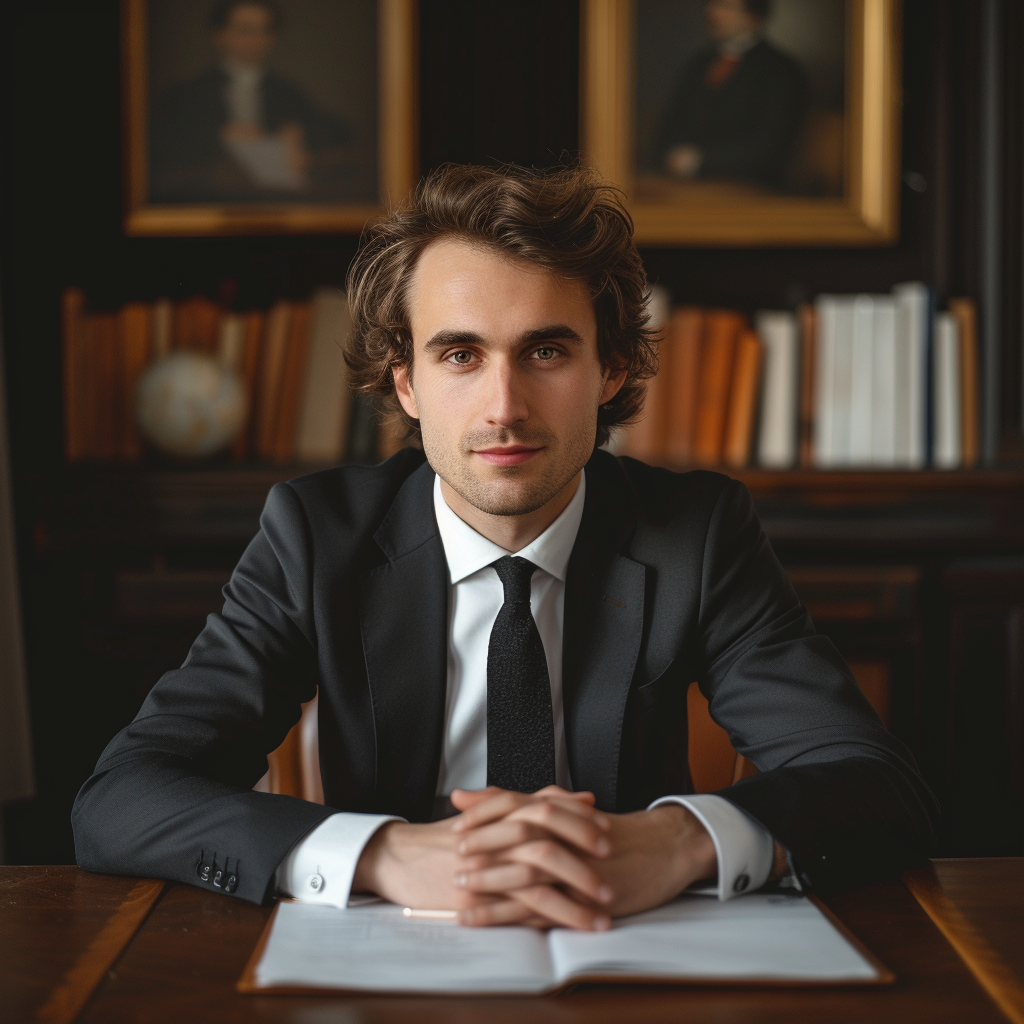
(189, 405)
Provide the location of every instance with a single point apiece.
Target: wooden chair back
(295, 765)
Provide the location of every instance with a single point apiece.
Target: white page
(824, 452)
(758, 937)
(375, 948)
(842, 380)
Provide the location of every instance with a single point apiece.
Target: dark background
(498, 82)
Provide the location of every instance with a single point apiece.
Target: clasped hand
(542, 859)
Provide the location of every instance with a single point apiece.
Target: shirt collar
(468, 552)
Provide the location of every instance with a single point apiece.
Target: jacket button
(205, 870)
(218, 876)
(315, 882)
(741, 883)
(231, 883)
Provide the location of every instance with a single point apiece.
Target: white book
(322, 428)
(780, 389)
(862, 358)
(758, 938)
(821, 430)
(842, 380)
(883, 403)
(946, 393)
(911, 373)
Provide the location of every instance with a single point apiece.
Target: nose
(506, 397)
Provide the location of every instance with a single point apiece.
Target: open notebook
(759, 939)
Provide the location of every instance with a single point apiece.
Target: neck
(512, 533)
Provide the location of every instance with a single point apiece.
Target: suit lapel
(403, 620)
(604, 616)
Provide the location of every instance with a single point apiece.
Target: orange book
(268, 388)
(134, 325)
(808, 319)
(721, 330)
(966, 315)
(104, 386)
(73, 329)
(195, 324)
(292, 379)
(252, 336)
(685, 330)
(746, 385)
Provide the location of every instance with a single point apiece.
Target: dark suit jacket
(747, 127)
(345, 587)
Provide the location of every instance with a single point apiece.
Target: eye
(546, 353)
(461, 358)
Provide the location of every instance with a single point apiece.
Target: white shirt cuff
(319, 868)
(745, 848)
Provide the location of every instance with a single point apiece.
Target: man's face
(506, 379)
(729, 18)
(248, 36)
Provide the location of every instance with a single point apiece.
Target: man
(506, 622)
(738, 108)
(239, 130)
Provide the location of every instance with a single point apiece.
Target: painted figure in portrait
(242, 128)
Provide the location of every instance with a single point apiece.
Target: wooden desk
(184, 960)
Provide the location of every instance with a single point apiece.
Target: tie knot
(515, 574)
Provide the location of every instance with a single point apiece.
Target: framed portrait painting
(263, 116)
(747, 122)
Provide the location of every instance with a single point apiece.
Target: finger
(482, 806)
(501, 912)
(558, 908)
(536, 821)
(501, 878)
(505, 803)
(463, 799)
(564, 866)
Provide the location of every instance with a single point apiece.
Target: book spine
(946, 398)
(862, 381)
(685, 331)
(777, 436)
(717, 357)
(271, 372)
(912, 348)
(326, 398)
(743, 400)
(807, 316)
(252, 323)
(966, 315)
(291, 382)
(135, 322)
(884, 399)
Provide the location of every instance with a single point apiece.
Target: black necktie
(520, 728)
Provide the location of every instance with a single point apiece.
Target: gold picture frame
(397, 155)
(867, 214)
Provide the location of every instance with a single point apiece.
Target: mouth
(511, 455)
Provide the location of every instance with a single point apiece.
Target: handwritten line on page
(760, 938)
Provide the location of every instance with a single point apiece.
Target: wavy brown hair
(568, 221)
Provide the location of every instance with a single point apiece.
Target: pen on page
(434, 915)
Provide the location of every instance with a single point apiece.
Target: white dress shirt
(320, 867)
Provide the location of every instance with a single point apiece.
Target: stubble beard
(509, 490)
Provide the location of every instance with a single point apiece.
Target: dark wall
(498, 82)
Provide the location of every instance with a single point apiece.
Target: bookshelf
(919, 575)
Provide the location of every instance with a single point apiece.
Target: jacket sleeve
(171, 796)
(841, 794)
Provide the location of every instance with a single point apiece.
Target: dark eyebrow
(553, 332)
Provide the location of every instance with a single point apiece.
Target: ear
(612, 382)
(403, 388)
